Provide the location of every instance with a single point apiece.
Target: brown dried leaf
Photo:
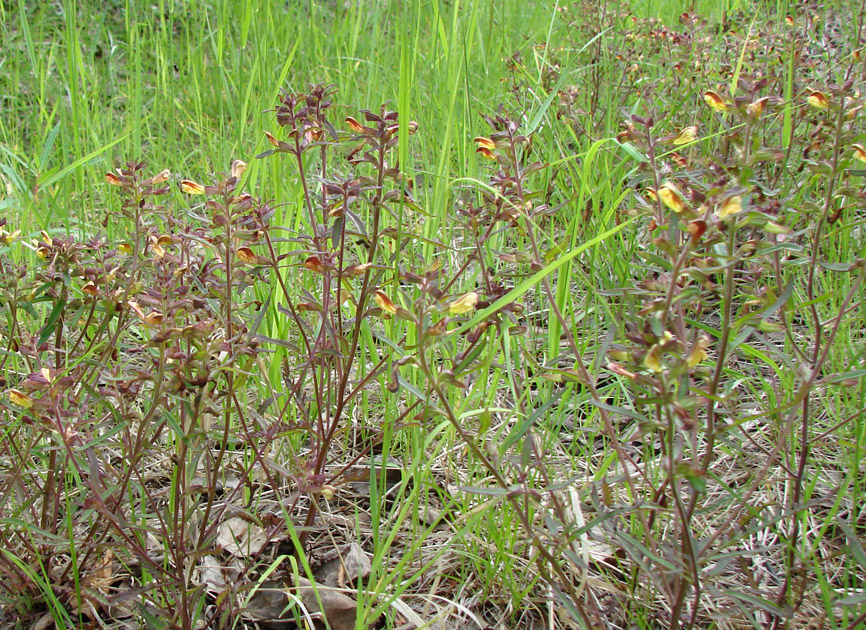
(210, 574)
(240, 537)
(351, 564)
(338, 609)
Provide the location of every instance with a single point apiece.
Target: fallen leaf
(270, 606)
(210, 574)
(337, 608)
(46, 621)
(351, 563)
(239, 537)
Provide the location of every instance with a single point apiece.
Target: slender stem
(818, 326)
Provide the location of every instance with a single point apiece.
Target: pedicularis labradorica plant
(727, 258)
(137, 384)
(133, 379)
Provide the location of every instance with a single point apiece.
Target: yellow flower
(156, 247)
(715, 101)
(385, 303)
(481, 141)
(699, 351)
(464, 304)
(486, 147)
(191, 187)
(154, 318)
(652, 360)
(354, 125)
(490, 155)
(757, 108)
(672, 197)
(20, 399)
(731, 206)
(818, 99)
(859, 152)
(687, 135)
(245, 254)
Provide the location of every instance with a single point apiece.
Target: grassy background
(186, 85)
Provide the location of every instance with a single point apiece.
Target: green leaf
(492, 492)
(55, 177)
(855, 547)
(48, 328)
(520, 430)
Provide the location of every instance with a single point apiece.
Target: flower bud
(385, 303)
(238, 168)
(161, 177)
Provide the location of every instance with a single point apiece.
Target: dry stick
(710, 430)
(228, 257)
(298, 322)
(318, 247)
(837, 426)
(112, 344)
(724, 333)
(103, 509)
(686, 513)
(344, 469)
(686, 542)
(583, 373)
